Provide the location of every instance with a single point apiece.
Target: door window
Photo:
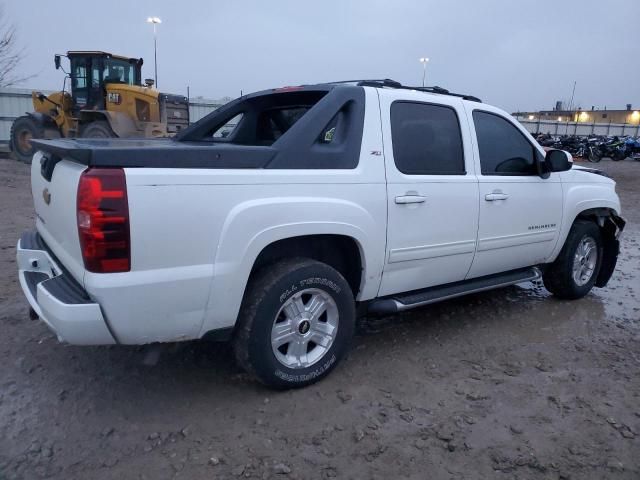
(95, 75)
(504, 150)
(79, 75)
(426, 139)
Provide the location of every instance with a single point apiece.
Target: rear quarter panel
(195, 238)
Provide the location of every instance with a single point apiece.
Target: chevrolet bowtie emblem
(46, 196)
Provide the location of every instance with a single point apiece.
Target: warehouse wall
(14, 102)
(581, 129)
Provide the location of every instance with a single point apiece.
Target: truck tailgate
(54, 200)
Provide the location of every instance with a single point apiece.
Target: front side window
(426, 139)
(79, 74)
(504, 150)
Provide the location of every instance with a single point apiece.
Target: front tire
(23, 130)
(594, 156)
(295, 324)
(576, 269)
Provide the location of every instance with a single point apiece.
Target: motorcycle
(593, 148)
(632, 148)
(614, 149)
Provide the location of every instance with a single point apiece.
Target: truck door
(80, 66)
(520, 213)
(432, 191)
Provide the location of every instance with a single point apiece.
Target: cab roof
(98, 53)
(388, 83)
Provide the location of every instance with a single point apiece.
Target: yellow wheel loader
(106, 98)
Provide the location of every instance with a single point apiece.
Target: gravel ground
(506, 384)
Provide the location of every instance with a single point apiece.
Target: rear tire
(23, 130)
(576, 269)
(618, 156)
(97, 129)
(295, 324)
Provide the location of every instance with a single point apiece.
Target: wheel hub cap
(585, 260)
(304, 328)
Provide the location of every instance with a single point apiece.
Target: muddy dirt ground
(506, 384)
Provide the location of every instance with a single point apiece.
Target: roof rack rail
(379, 82)
(387, 82)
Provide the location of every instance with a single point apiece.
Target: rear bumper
(57, 298)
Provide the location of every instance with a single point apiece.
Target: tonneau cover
(156, 153)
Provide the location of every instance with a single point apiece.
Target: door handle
(492, 197)
(406, 199)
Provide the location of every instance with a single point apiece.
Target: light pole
(155, 21)
(424, 61)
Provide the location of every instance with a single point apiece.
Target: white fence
(580, 129)
(14, 102)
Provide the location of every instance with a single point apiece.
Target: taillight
(103, 220)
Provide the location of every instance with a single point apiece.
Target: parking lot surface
(505, 384)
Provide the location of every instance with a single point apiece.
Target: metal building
(628, 116)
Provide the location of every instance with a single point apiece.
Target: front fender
(579, 198)
(253, 225)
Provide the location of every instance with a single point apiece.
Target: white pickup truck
(276, 219)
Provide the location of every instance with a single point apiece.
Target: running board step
(418, 298)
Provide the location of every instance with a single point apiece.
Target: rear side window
(274, 123)
(504, 150)
(426, 139)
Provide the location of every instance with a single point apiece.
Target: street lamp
(155, 21)
(424, 61)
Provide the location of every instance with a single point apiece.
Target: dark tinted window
(426, 139)
(504, 150)
(272, 124)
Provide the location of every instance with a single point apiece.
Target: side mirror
(56, 60)
(149, 82)
(558, 161)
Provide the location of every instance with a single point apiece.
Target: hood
(595, 171)
(580, 174)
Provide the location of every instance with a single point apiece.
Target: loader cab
(92, 71)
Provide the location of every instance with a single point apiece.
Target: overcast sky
(512, 53)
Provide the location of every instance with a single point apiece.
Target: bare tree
(10, 54)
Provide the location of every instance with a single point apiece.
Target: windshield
(119, 71)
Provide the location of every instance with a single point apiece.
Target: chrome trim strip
(422, 252)
(519, 239)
